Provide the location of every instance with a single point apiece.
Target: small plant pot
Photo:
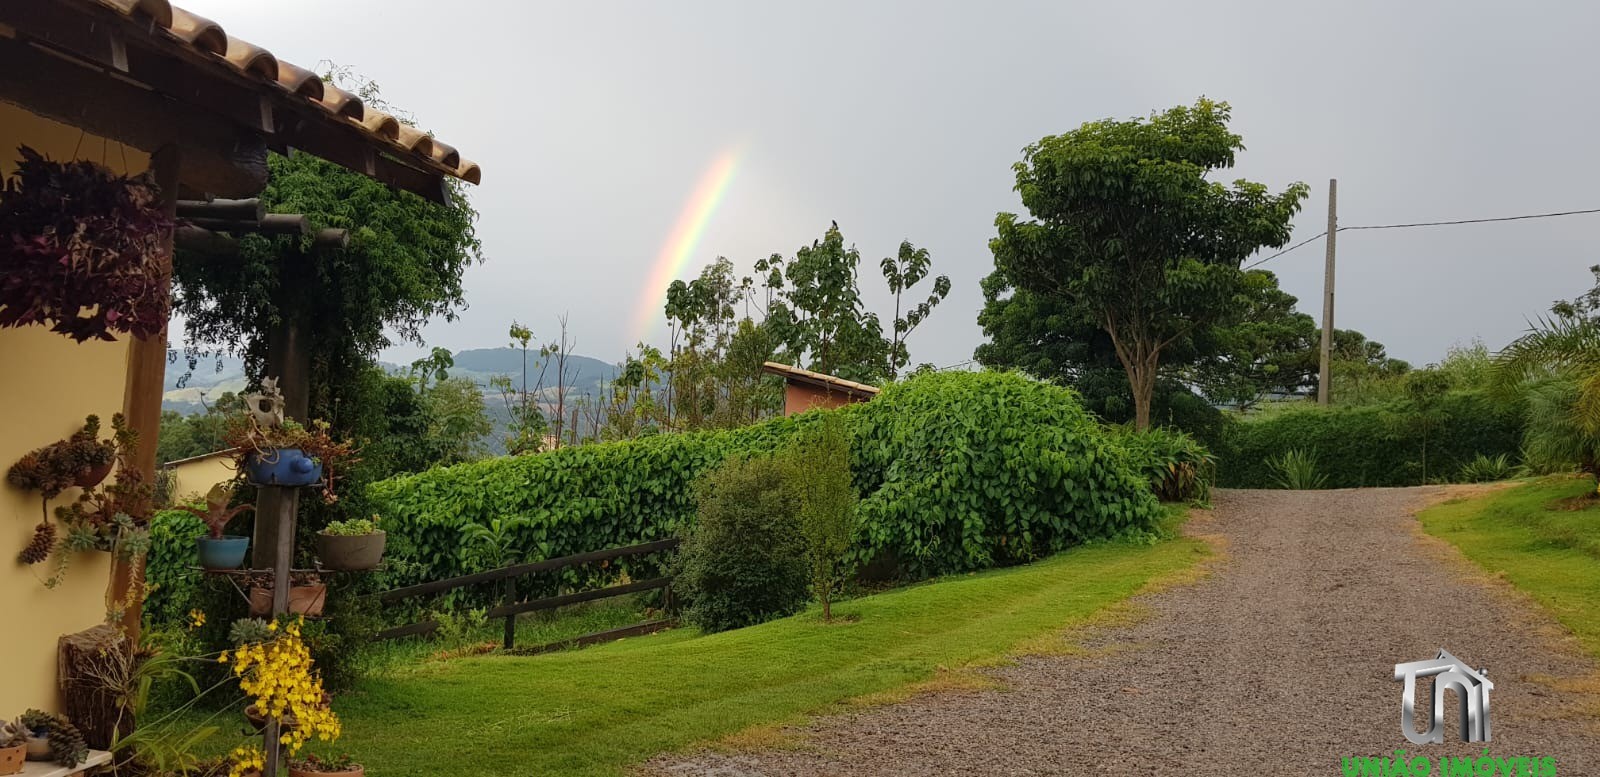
(351, 553)
(12, 758)
(226, 553)
(282, 467)
(38, 748)
(89, 477)
(355, 771)
(304, 600)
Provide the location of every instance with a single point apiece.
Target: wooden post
(510, 586)
(287, 502)
(141, 398)
(288, 360)
(1325, 373)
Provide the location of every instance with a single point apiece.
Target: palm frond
(1556, 345)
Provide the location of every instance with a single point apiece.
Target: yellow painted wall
(196, 476)
(48, 384)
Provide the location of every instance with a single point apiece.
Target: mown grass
(1540, 536)
(598, 710)
(403, 656)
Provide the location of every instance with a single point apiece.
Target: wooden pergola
(207, 107)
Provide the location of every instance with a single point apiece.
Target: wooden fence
(511, 608)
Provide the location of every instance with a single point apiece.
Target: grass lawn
(597, 710)
(1529, 534)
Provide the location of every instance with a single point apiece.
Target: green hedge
(956, 471)
(1371, 445)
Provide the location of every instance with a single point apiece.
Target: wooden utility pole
(1326, 371)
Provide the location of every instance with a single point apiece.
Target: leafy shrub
(745, 560)
(1177, 466)
(1296, 470)
(956, 471)
(1371, 445)
(171, 586)
(1485, 469)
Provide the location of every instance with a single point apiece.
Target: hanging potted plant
(13, 746)
(84, 250)
(336, 766)
(82, 460)
(220, 551)
(274, 451)
(109, 517)
(351, 546)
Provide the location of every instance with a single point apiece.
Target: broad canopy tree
(1129, 235)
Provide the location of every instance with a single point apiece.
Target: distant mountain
(584, 373)
(211, 377)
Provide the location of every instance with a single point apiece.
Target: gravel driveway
(1280, 662)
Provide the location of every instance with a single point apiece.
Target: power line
(1320, 235)
(1476, 221)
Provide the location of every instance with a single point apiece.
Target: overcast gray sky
(594, 122)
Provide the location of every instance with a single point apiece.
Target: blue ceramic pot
(226, 553)
(282, 467)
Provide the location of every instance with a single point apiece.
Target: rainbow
(681, 242)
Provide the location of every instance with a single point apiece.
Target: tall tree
(817, 314)
(903, 271)
(1128, 232)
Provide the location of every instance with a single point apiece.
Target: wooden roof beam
(218, 156)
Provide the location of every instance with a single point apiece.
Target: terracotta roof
(821, 380)
(201, 43)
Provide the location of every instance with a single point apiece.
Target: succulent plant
(249, 631)
(38, 548)
(37, 722)
(356, 527)
(12, 733)
(66, 743)
(53, 468)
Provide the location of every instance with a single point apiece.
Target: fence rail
(511, 608)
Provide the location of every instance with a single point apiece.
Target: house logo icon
(1472, 690)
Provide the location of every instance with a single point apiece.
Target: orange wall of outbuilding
(799, 397)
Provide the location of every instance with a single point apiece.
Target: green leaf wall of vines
(956, 471)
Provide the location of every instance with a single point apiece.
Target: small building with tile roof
(806, 390)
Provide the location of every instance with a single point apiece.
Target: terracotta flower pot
(355, 771)
(89, 477)
(304, 600)
(12, 758)
(351, 553)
